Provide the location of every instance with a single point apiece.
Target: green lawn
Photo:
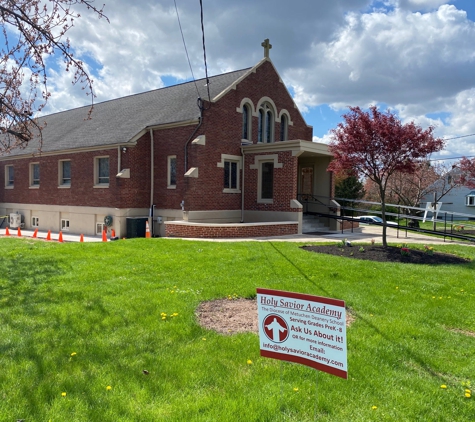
(79, 323)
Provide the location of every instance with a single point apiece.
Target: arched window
(261, 125)
(246, 122)
(266, 123)
(269, 125)
(284, 124)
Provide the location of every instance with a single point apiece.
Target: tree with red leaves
(467, 172)
(377, 145)
(33, 30)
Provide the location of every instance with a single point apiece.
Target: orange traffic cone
(48, 236)
(112, 233)
(81, 239)
(35, 234)
(19, 232)
(7, 232)
(104, 236)
(147, 230)
(60, 239)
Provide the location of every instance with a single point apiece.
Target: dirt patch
(464, 332)
(231, 316)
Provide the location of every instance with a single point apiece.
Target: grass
(79, 318)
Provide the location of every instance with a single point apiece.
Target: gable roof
(118, 121)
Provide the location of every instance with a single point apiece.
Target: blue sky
(416, 57)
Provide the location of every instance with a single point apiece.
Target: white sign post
(301, 328)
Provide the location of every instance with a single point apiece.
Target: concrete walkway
(363, 234)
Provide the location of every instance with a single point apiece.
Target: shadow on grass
(409, 352)
(22, 275)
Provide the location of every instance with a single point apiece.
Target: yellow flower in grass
(108, 388)
(249, 362)
(296, 389)
(374, 407)
(443, 386)
(63, 394)
(73, 354)
(468, 391)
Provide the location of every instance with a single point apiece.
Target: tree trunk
(382, 194)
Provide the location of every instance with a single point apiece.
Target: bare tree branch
(33, 30)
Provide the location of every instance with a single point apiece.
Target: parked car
(372, 219)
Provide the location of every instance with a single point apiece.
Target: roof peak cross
(267, 46)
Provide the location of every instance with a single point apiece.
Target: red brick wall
(221, 124)
(127, 193)
(345, 224)
(285, 184)
(229, 231)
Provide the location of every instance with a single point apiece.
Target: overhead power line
(458, 137)
(204, 49)
(186, 50)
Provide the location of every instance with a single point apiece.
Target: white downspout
(119, 158)
(151, 180)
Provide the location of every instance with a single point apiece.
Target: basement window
(64, 225)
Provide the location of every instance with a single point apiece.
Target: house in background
(457, 204)
(227, 158)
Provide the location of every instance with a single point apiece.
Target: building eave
(297, 147)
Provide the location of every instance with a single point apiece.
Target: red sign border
(297, 359)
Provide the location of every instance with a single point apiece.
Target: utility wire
(204, 50)
(458, 137)
(451, 158)
(186, 51)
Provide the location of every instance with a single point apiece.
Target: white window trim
(289, 120)
(32, 186)
(467, 200)
(267, 107)
(258, 160)
(60, 175)
(35, 221)
(252, 113)
(65, 224)
(96, 173)
(169, 185)
(7, 178)
(234, 159)
(102, 226)
(285, 113)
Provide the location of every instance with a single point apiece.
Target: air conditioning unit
(15, 221)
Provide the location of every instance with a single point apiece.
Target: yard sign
(302, 328)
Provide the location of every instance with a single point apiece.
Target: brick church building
(228, 158)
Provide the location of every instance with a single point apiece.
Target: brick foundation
(345, 224)
(216, 231)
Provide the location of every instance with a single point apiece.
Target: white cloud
(415, 56)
